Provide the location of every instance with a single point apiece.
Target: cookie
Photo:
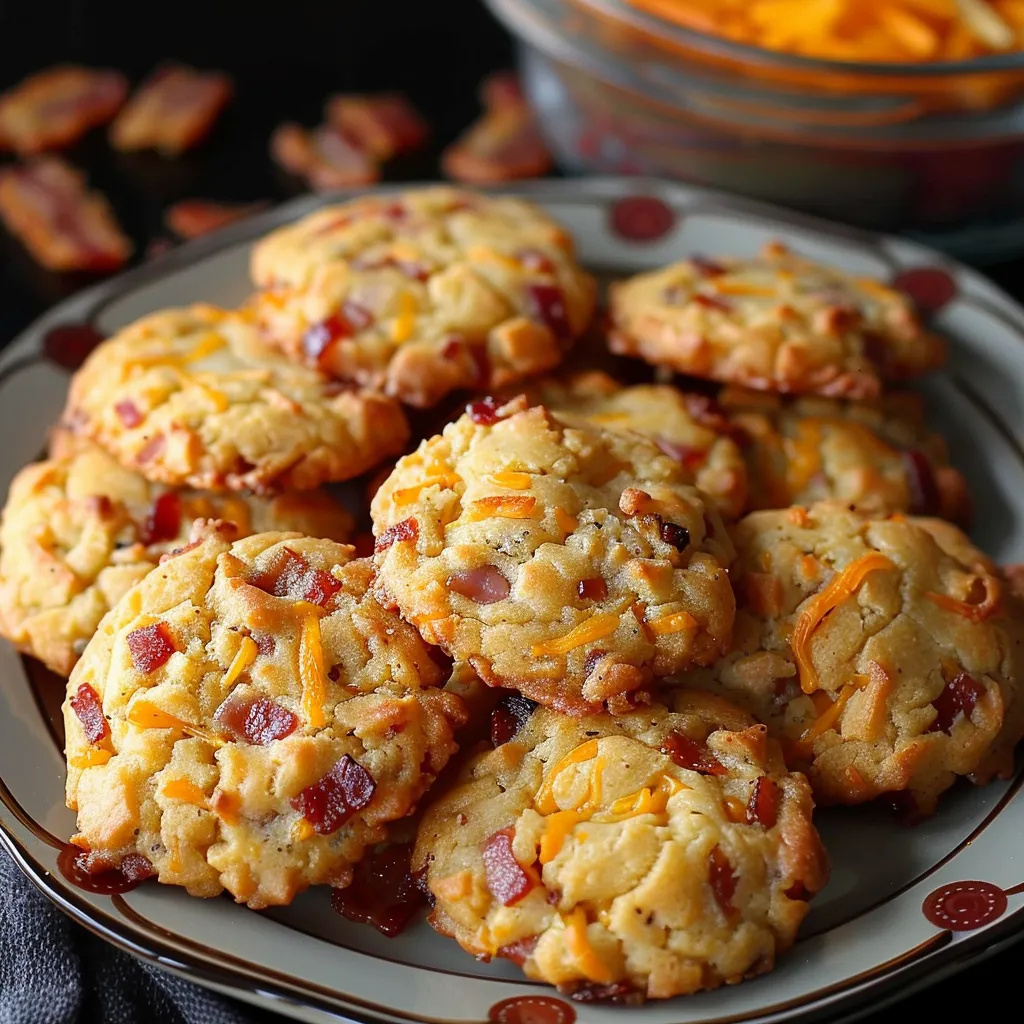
(195, 396)
(248, 718)
(570, 562)
(774, 323)
(884, 653)
(687, 427)
(649, 855)
(78, 532)
(423, 293)
(877, 455)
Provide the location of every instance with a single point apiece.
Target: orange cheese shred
(144, 715)
(591, 966)
(973, 612)
(566, 523)
(740, 288)
(311, 672)
(544, 802)
(302, 830)
(407, 495)
(826, 720)
(842, 586)
(246, 655)
(511, 479)
(676, 622)
(501, 506)
(404, 324)
(186, 791)
(90, 758)
(595, 628)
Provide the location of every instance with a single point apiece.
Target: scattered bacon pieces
(706, 267)
(507, 879)
(193, 218)
(924, 491)
(266, 643)
(484, 413)
(382, 892)
(346, 322)
(55, 108)
(503, 144)
(535, 261)
(151, 647)
(151, 449)
(172, 111)
(383, 126)
(722, 880)
(689, 754)
(688, 457)
(763, 807)
(958, 698)
(710, 302)
(164, 519)
(520, 951)
(87, 708)
(136, 868)
(594, 589)
(259, 721)
(618, 993)
(46, 205)
(344, 791)
(798, 891)
(484, 585)
(546, 303)
(676, 535)
(407, 529)
(289, 575)
(510, 714)
(128, 413)
(323, 157)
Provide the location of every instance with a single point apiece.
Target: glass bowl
(931, 150)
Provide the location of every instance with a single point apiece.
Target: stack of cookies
(660, 620)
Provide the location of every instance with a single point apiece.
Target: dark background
(286, 57)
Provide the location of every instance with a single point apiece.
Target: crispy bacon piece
(593, 589)
(763, 806)
(324, 157)
(546, 303)
(520, 951)
(484, 412)
(676, 535)
(484, 585)
(164, 519)
(172, 111)
(344, 791)
(958, 698)
(89, 711)
(345, 323)
(259, 721)
(289, 575)
(382, 126)
(151, 647)
(46, 205)
(382, 892)
(192, 218)
(507, 879)
(55, 108)
(128, 413)
(722, 880)
(510, 714)
(407, 529)
(689, 754)
(924, 491)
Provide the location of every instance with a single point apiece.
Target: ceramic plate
(904, 906)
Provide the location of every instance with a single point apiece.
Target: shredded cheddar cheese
(724, 286)
(511, 479)
(973, 612)
(206, 346)
(591, 966)
(545, 800)
(302, 830)
(311, 672)
(676, 622)
(407, 495)
(501, 506)
(843, 585)
(735, 810)
(186, 791)
(826, 719)
(404, 324)
(144, 715)
(595, 628)
(245, 656)
(90, 758)
(566, 523)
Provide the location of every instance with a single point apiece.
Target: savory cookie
(776, 323)
(685, 426)
(424, 293)
(648, 855)
(78, 532)
(570, 562)
(249, 718)
(195, 396)
(877, 455)
(885, 654)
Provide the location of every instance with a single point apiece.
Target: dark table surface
(285, 60)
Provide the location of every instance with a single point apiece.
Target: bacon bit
(150, 646)
(350, 319)
(311, 672)
(90, 758)
(266, 643)
(501, 506)
(324, 157)
(798, 891)
(503, 145)
(507, 880)
(484, 413)
(172, 111)
(406, 530)
(597, 627)
(546, 303)
(676, 622)
(735, 810)
(590, 965)
(974, 611)
(706, 267)
(924, 491)
(289, 575)
(676, 535)
(151, 449)
(144, 715)
(89, 711)
(55, 108)
(46, 205)
(186, 791)
(688, 457)
(484, 585)
(193, 218)
(691, 755)
(512, 480)
(722, 880)
(959, 697)
(520, 951)
(383, 891)
(344, 791)
(510, 714)
(128, 413)
(594, 589)
(164, 519)
(535, 261)
(383, 126)
(136, 868)
(259, 721)
(566, 523)
(710, 302)
(592, 658)
(844, 585)
(765, 797)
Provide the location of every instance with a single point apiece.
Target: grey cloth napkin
(52, 971)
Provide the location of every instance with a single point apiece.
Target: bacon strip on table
(174, 110)
(55, 108)
(47, 206)
(324, 157)
(503, 144)
(192, 218)
(382, 126)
